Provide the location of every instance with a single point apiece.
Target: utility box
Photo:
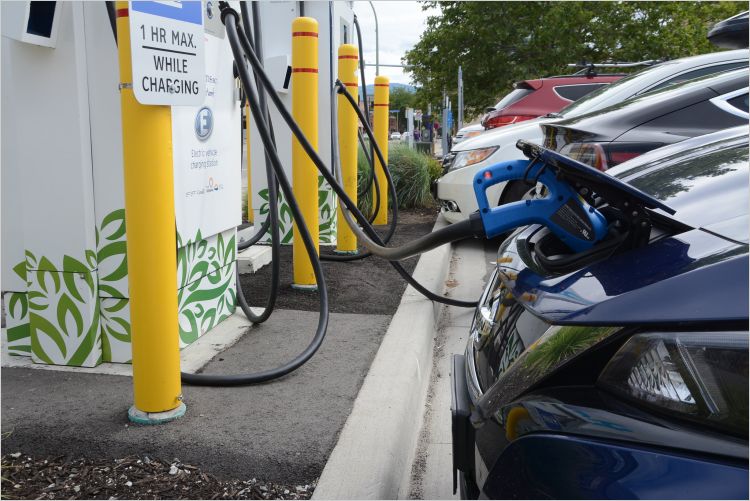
(64, 250)
(335, 22)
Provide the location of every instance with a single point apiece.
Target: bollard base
(140, 417)
(308, 288)
(346, 252)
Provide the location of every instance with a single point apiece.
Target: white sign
(207, 152)
(167, 52)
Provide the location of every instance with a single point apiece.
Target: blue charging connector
(576, 223)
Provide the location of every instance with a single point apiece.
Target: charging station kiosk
(64, 267)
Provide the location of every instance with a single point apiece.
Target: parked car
(534, 98)
(731, 33)
(624, 376)
(395, 136)
(454, 189)
(468, 132)
(618, 133)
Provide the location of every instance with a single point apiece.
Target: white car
(467, 133)
(395, 135)
(455, 191)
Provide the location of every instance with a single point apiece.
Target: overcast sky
(400, 25)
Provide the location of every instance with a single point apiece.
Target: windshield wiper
(553, 115)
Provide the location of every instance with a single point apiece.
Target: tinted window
(700, 72)
(576, 92)
(739, 102)
(513, 97)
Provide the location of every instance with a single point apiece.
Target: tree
(498, 43)
(401, 98)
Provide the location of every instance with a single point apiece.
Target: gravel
(132, 477)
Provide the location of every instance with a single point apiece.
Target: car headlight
(471, 157)
(701, 376)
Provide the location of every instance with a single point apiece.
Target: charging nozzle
(576, 223)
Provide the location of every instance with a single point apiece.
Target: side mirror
(489, 109)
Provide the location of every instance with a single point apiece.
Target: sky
(399, 26)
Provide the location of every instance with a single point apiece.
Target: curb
(373, 456)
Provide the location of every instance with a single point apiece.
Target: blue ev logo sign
(204, 123)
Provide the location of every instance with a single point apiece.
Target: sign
(167, 52)
(206, 152)
(449, 120)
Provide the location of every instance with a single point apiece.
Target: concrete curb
(375, 451)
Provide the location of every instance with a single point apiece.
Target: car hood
(694, 277)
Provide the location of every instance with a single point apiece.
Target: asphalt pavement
(282, 431)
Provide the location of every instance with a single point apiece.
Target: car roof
(641, 81)
(620, 117)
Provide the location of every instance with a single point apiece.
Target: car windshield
(512, 97)
(601, 97)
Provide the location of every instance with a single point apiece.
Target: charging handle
(576, 223)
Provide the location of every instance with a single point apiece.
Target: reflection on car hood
(705, 181)
(692, 277)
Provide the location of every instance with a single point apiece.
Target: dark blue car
(624, 376)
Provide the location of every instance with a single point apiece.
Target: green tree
(498, 43)
(399, 99)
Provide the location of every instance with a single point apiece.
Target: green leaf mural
(17, 333)
(326, 215)
(64, 319)
(206, 271)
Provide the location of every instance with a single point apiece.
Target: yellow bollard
(346, 240)
(305, 112)
(151, 245)
(249, 195)
(380, 128)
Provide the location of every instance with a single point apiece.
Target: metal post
(304, 173)
(152, 247)
(249, 195)
(380, 127)
(346, 240)
(377, 41)
(460, 99)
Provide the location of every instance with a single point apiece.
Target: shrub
(413, 172)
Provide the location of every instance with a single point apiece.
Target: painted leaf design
(38, 306)
(106, 348)
(39, 324)
(30, 259)
(110, 291)
(116, 306)
(72, 264)
(119, 328)
(115, 249)
(66, 307)
(18, 333)
(18, 299)
(20, 270)
(91, 258)
(207, 322)
(89, 342)
(70, 284)
(41, 278)
(189, 336)
(117, 219)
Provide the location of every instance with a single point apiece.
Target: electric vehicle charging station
(65, 287)
(335, 27)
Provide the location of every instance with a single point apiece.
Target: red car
(534, 98)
